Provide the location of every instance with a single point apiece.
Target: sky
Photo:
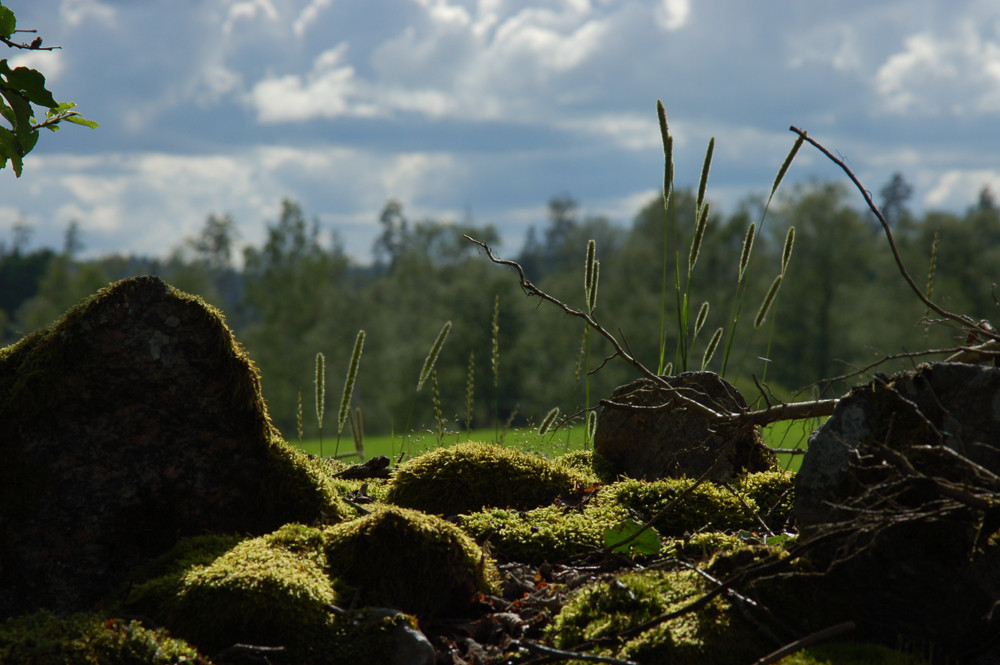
(484, 110)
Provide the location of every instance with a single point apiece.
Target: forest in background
(842, 306)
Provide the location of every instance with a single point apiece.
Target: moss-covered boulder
(409, 560)
(44, 638)
(471, 476)
(133, 421)
(276, 590)
(713, 634)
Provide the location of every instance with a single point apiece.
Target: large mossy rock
(648, 430)
(898, 493)
(131, 422)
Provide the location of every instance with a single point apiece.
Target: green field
(786, 435)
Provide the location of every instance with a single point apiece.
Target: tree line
(842, 305)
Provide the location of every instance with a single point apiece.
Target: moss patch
(86, 639)
(713, 634)
(851, 653)
(408, 560)
(471, 476)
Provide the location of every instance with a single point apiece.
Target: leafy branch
(20, 88)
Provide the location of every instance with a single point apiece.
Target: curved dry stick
(966, 321)
(793, 411)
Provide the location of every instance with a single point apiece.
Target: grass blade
(433, 354)
(699, 236)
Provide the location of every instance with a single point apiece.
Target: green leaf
(647, 542)
(7, 22)
(31, 84)
(80, 120)
(10, 149)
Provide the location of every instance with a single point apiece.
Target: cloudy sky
(486, 108)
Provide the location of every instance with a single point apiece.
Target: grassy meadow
(783, 435)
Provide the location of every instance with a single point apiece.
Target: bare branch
(966, 321)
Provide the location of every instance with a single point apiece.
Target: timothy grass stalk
(786, 256)
(298, 418)
(668, 226)
(746, 256)
(320, 392)
(548, 421)
(748, 240)
(765, 306)
(495, 365)
(930, 283)
(591, 429)
(438, 413)
(433, 354)
(349, 381)
(713, 344)
(699, 320)
(470, 386)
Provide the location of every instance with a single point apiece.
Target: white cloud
(248, 10)
(960, 187)
(328, 91)
(50, 63)
(673, 14)
(953, 74)
(75, 12)
(308, 16)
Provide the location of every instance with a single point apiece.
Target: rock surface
(898, 490)
(648, 432)
(131, 422)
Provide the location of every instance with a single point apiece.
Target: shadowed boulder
(133, 421)
(651, 431)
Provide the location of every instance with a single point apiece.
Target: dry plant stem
(962, 319)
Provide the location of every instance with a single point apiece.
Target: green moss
(708, 505)
(154, 587)
(714, 634)
(471, 476)
(87, 639)
(550, 533)
(850, 653)
(271, 590)
(590, 464)
(773, 492)
(307, 487)
(410, 561)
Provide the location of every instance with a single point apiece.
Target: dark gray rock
(646, 431)
(897, 496)
(133, 421)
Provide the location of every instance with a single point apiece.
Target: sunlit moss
(87, 639)
(471, 476)
(408, 560)
(713, 634)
